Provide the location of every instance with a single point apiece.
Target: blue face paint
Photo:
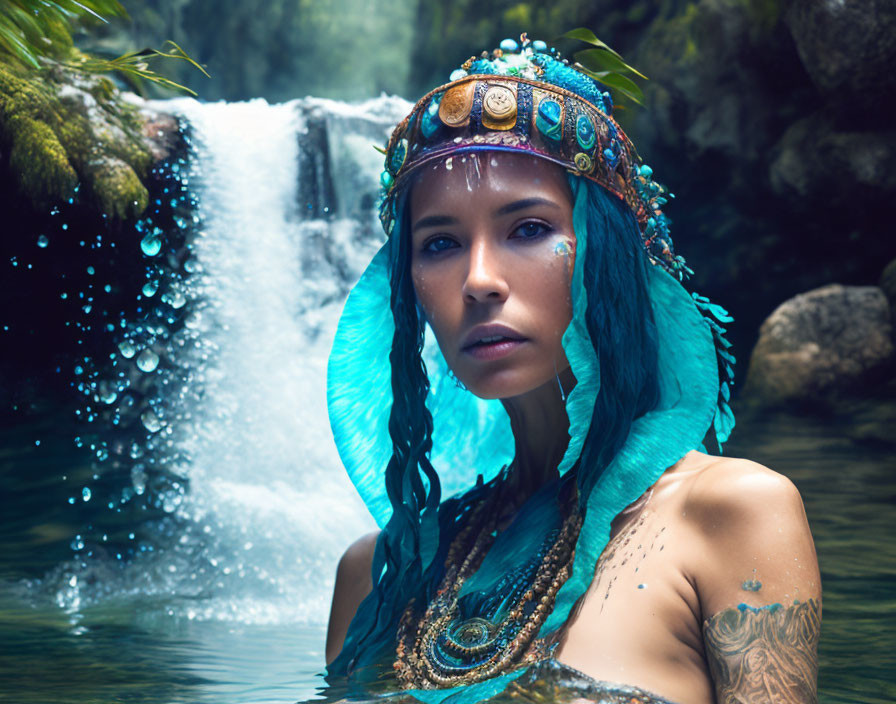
(751, 585)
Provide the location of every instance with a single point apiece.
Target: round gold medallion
(500, 102)
(584, 163)
(456, 103)
(499, 108)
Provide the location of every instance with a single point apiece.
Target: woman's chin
(505, 384)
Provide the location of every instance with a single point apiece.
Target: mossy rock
(62, 127)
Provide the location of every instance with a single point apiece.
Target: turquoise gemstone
(396, 159)
(548, 119)
(539, 45)
(429, 121)
(585, 134)
(509, 45)
(386, 180)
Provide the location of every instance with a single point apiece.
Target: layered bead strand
(440, 650)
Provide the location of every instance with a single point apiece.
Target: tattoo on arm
(765, 655)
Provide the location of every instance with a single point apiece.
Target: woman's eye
(531, 230)
(438, 244)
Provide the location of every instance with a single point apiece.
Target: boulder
(832, 342)
(847, 47)
(888, 286)
(825, 166)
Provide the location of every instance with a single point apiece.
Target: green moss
(118, 188)
(61, 128)
(40, 161)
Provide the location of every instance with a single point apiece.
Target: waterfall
(287, 220)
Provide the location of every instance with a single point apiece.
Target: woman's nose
(485, 279)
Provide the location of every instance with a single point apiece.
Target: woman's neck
(540, 428)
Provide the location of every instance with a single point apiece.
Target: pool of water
(141, 645)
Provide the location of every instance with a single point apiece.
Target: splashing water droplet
(127, 349)
(150, 288)
(151, 245)
(43, 241)
(138, 478)
(150, 421)
(86, 494)
(147, 361)
(107, 392)
(174, 298)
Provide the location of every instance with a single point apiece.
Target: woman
(547, 503)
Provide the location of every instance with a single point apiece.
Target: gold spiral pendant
(440, 648)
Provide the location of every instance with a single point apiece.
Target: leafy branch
(605, 65)
(32, 30)
(135, 67)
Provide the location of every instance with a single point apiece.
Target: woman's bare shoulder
(736, 488)
(751, 534)
(353, 584)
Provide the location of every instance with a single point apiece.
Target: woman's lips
(493, 350)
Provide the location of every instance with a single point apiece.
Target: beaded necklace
(442, 648)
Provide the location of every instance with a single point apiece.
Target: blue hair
(621, 326)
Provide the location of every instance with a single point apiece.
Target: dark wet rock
(888, 286)
(848, 48)
(817, 162)
(835, 341)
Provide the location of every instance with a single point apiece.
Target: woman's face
(493, 245)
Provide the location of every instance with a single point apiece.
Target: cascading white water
(265, 478)
(268, 510)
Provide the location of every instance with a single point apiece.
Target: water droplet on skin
(642, 586)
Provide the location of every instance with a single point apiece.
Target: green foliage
(134, 66)
(32, 30)
(605, 65)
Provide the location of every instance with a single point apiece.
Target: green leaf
(181, 54)
(13, 44)
(584, 34)
(624, 85)
(602, 60)
(135, 65)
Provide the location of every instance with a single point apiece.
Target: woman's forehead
(486, 174)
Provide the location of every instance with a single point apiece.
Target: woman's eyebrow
(441, 220)
(433, 221)
(523, 204)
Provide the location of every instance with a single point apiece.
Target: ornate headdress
(522, 98)
(519, 98)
